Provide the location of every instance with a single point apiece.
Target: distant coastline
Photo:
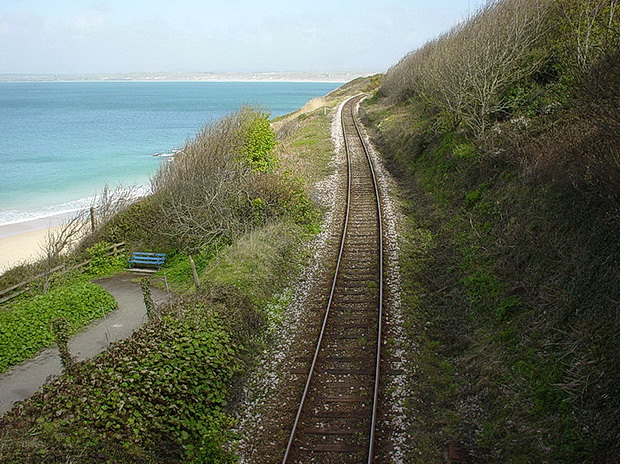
(117, 131)
(335, 77)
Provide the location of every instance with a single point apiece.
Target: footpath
(22, 381)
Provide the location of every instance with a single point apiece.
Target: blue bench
(147, 259)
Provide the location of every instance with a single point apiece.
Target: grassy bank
(26, 322)
(237, 200)
(27, 325)
(512, 231)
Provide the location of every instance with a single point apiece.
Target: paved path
(22, 381)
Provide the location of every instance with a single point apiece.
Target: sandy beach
(21, 242)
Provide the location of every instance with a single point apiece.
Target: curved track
(335, 421)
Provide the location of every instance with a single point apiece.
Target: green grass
(305, 143)
(492, 349)
(162, 395)
(178, 268)
(258, 261)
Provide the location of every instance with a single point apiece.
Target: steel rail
(317, 350)
(375, 399)
(370, 453)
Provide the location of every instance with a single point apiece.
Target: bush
(102, 262)
(208, 194)
(259, 140)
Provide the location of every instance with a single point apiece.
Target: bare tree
(592, 24)
(464, 71)
(205, 189)
(60, 241)
(112, 201)
(497, 54)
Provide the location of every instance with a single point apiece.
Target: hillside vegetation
(505, 134)
(229, 200)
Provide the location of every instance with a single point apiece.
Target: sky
(124, 36)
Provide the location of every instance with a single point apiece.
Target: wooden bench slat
(140, 257)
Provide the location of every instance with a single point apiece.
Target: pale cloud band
(38, 36)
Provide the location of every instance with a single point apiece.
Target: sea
(61, 143)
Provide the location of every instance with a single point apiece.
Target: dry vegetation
(464, 71)
(505, 131)
(206, 187)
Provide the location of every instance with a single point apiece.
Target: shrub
(259, 140)
(208, 194)
(102, 262)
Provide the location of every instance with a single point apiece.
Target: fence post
(194, 272)
(148, 299)
(61, 336)
(92, 219)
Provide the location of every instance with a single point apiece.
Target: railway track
(336, 418)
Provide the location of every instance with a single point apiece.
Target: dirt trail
(22, 381)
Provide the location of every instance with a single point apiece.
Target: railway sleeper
(342, 326)
(362, 299)
(356, 414)
(335, 448)
(345, 371)
(332, 430)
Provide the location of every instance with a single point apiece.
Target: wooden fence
(22, 287)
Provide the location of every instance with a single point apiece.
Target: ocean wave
(169, 155)
(15, 216)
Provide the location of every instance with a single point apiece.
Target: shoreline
(334, 77)
(21, 242)
(172, 81)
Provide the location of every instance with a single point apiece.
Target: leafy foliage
(163, 390)
(259, 140)
(25, 326)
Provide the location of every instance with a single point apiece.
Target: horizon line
(156, 76)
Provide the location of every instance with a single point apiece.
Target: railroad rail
(336, 417)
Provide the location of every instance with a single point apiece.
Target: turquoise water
(62, 142)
